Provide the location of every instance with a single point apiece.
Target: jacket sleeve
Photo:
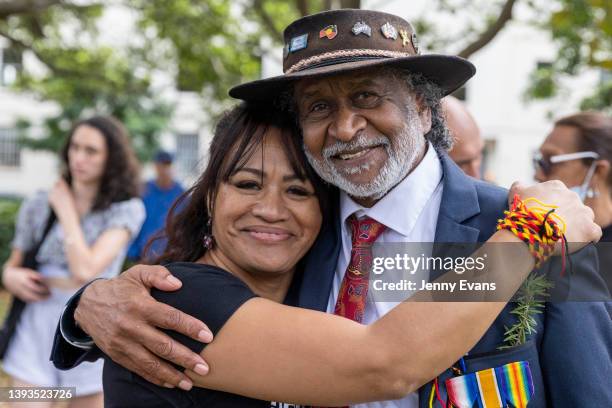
(71, 345)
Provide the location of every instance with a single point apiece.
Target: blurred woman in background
(97, 211)
(578, 152)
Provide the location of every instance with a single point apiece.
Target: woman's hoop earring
(208, 240)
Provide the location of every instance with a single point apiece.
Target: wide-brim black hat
(339, 41)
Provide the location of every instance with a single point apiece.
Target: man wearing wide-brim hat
(368, 104)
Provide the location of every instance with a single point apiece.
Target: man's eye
(318, 107)
(366, 96)
(247, 185)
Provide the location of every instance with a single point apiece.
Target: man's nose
(539, 176)
(347, 123)
(271, 207)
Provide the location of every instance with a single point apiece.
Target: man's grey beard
(401, 160)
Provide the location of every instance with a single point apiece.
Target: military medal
(508, 385)
(389, 31)
(361, 28)
(330, 32)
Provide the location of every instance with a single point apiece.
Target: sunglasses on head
(545, 164)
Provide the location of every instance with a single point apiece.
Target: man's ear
(602, 169)
(424, 113)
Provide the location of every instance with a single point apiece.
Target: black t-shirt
(209, 294)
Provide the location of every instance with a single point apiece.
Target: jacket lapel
(320, 266)
(459, 204)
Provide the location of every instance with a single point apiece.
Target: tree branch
(10, 7)
(353, 4)
(267, 20)
(504, 16)
(302, 6)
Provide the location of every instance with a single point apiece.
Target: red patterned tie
(354, 289)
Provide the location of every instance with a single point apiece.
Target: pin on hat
(405, 37)
(362, 28)
(389, 31)
(330, 32)
(298, 43)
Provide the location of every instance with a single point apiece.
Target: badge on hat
(405, 37)
(331, 31)
(361, 28)
(389, 31)
(298, 43)
(415, 43)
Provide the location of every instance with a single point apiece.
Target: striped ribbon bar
(510, 385)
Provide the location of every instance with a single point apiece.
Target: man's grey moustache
(337, 149)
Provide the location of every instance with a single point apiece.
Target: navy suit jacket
(570, 355)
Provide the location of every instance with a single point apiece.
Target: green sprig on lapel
(530, 302)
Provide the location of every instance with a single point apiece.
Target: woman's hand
(61, 199)
(26, 284)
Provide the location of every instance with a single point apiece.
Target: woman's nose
(271, 207)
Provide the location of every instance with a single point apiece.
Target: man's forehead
(309, 86)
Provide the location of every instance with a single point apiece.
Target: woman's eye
(247, 185)
(299, 191)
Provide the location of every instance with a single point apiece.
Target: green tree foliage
(82, 76)
(582, 31)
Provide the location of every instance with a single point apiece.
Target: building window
(10, 65)
(10, 151)
(187, 153)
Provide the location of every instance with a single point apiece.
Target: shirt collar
(400, 208)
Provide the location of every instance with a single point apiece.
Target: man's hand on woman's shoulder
(124, 320)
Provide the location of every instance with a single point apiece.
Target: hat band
(330, 58)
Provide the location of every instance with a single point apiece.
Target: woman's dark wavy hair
(120, 180)
(237, 135)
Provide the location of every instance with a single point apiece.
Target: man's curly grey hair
(431, 94)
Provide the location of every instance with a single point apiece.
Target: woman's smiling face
(265, 218)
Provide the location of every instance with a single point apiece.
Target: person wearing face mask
(578, 152)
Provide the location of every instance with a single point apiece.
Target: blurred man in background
(578, 151)
(468, 147)
(158, 195)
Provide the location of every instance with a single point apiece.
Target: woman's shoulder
(40, 199)
(129, 214)
(200, 271)
(131, 205)
(202, 279)
(207, 293)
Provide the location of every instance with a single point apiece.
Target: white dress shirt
(410, 213)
